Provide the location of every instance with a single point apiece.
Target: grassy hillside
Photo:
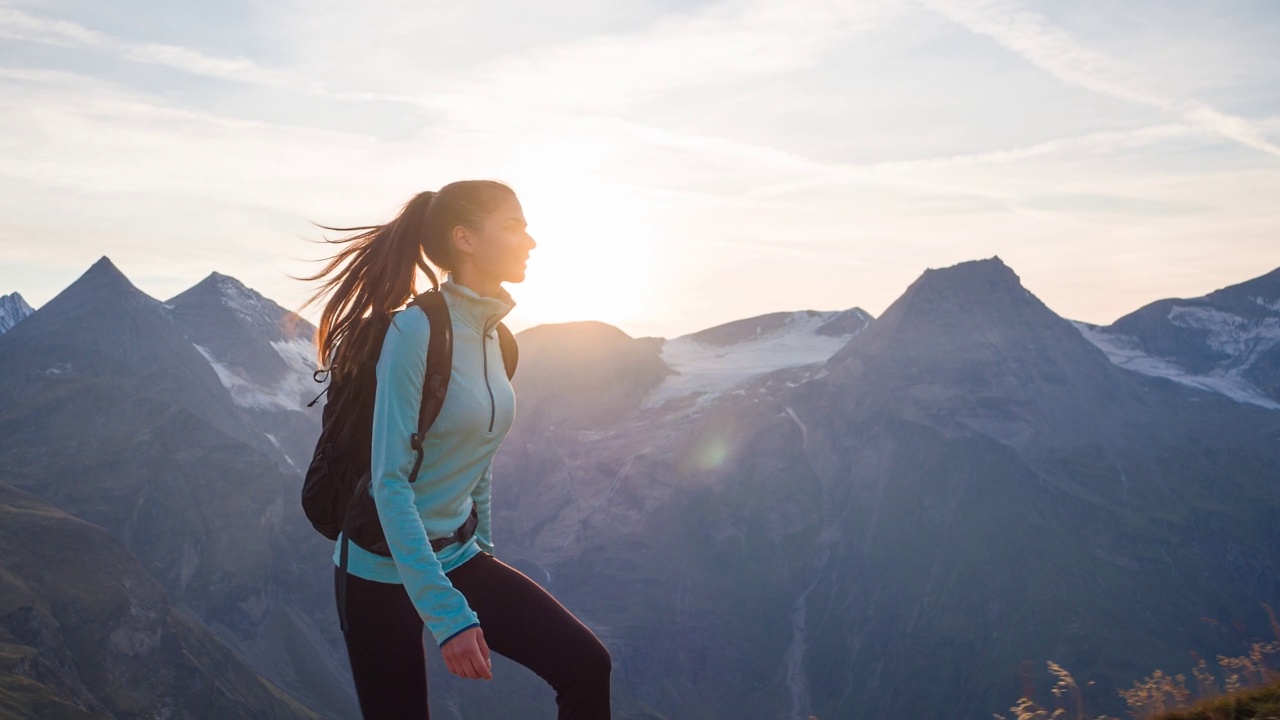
(1261, 703)
(85, 632)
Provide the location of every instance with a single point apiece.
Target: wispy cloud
(1031, 37)
(901, 172)
(840, 146)
(18, 25)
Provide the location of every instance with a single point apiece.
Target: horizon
(521, 327)
(681, 165)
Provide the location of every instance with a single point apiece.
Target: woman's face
(499, 249)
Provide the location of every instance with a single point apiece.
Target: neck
(482, 286)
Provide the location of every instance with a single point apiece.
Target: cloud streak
(1029, 36)
(23, 26)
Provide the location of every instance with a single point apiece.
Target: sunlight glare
(595, 249)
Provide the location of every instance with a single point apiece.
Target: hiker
(432, 492)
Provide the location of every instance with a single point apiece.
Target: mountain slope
(1227, 341)
(1008, 494)
(966, 484)
(101, 326)
(834, 516)
(86, 632)
(720, 359)
(264, 356)
(109, 412)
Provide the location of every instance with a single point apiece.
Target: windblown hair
(376, 272)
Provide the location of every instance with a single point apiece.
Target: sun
(595, 251)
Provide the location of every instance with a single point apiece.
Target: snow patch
(276, 442)
(241, 300)
(1125, 352)
(716, 369)
(288, 394)
(1268, 304)
(59, 369)
(1230, 334)
(804, 431)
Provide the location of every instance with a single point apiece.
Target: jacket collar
(476, 311)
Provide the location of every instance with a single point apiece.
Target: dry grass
(1249, 689)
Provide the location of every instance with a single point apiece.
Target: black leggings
(520, 621)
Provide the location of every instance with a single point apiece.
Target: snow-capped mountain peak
(719, 359)
(13, 308)
(262, 353)
(1227, 341)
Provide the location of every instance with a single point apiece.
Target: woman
(469, 600)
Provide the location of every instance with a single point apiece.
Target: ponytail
(376, 273)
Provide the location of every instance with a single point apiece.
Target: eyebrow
(517, 218)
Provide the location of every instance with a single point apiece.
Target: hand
(467, 656)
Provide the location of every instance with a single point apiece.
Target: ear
(462, 240)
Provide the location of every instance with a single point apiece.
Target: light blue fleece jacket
(458, 450)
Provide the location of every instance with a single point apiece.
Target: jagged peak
(103, 278)
(846, 323)
(989, 269)
(216, 284)
(13, 310)
(16, 302)
(228, 292)
(971, 305)
(970, 285)
(104, 264)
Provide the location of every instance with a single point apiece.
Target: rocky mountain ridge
(1227, 341)
(801, 513)
(109, 412)
(13, 308)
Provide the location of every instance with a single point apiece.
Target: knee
(596, 660)
(592, 662)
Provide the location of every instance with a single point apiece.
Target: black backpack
(335, 493)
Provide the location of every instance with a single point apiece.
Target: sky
(681, 164)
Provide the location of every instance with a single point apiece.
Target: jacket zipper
(484, 354)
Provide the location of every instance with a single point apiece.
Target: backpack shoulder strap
(439, 368)
(510, 350)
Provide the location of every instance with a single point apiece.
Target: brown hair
(377, 270)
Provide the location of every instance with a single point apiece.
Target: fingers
(467, 656)
(484, 650)
(479, 669)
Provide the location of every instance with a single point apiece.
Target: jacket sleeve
(400, 372)
(484, 510)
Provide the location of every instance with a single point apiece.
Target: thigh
(523, 622)
(384, 645)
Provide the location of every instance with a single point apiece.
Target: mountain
(12, 310)
(892, 528)
(109, 412)
(85, 632)
(263, 354)
(720, 359)
(802, 513)
(102, 326)
(1227, 341)
(607, 372)
(1008, 494)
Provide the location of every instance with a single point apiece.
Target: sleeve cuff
(457, 633)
